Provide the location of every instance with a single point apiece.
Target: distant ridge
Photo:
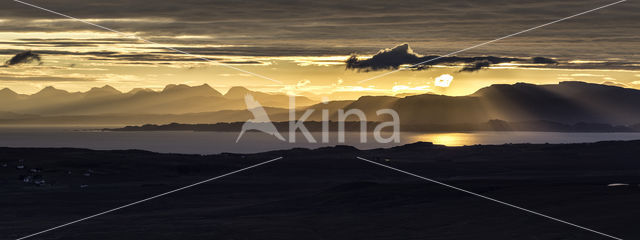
(202, 90)
(106, 90)
(351, 126)
(50, 92)
(173, 99)
(7, 92)
(568, 103)
(237, 92)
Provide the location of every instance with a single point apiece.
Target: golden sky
(305, 48)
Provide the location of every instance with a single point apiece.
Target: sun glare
(447, 139)
(443, 80)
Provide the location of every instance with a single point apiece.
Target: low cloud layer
(23, 57)
(393, 58)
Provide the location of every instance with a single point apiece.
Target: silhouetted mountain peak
(107, 88)
(7, 92)
(376, 98)
(203, 90)
(592, 86)
(566, 102)
(103, 91)
(562, 88)
(175, 87)
(510, 89)
(577, 83)
(401, 95)
(237, 92)
(140, 90)
(206, 88)
(50, 91)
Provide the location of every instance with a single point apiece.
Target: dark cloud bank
(402, 54)
(23, 57)
(329, 28)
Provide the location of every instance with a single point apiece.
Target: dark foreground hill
(325, 193)
(314, 126)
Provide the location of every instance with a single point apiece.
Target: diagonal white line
(494, 40)
(149, 198)
(148, 41)
(488, 198)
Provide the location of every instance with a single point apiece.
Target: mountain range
(173, 99)
(567, 103)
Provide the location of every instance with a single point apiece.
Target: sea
(190, 142)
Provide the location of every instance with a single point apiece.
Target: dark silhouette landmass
(567, 103)
(325, 193)
(315, 126)
(312, 126)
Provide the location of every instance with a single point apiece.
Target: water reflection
(472, 138)
(448, 139)
(217, 142)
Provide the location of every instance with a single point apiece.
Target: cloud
(393, 58)
(23, 57)
(443, 80)
(243, 62)
(385, 59)
(141, 57)
(614, 83)
(405, 88)
(303, 83)
(476, 66)
(586, 75)
(321, 29)
(333, 29)
(543, 60)
(43, 78)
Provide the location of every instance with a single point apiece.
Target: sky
(303, 45)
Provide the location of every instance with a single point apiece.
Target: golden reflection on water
(448, 139)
